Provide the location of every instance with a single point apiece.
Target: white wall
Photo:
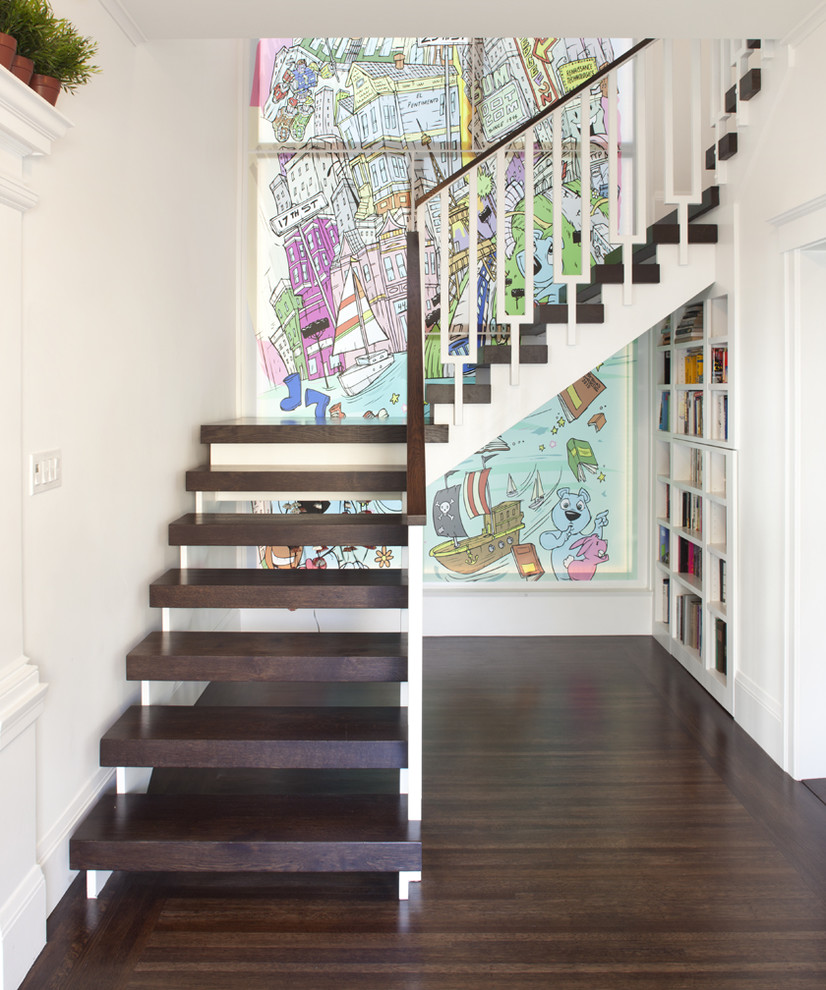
(774, 172)
(128, 345)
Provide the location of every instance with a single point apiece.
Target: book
(577, 397)
(719, 365)
(690, 324)
(720, 647)
(693, 366)
(666, 603)
(665, 412)
(527, 561)
(665, 543)
(581, 458)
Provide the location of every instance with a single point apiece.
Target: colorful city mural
(551, 499)
(339, 121)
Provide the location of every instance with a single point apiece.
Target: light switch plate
(46, 471)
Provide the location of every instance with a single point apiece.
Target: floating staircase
(295, 755)
(303, 753)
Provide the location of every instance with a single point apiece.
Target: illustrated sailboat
(502, 524)
(511, 490)
(538, 493)
(358, 329)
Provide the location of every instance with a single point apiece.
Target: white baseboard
(498, 612)
(53, 848)
(760, 715)
(22, 929)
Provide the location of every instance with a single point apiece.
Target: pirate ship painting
(501, 528)
(358, 329)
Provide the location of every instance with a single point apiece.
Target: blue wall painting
(551, 499)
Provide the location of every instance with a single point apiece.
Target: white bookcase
(695, 493)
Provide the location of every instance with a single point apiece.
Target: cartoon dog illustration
(571, 517)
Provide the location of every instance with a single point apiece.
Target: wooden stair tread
(698, 233)
(471, 394)
(643, 274)
(501, 354)
(299, 588)
(208, 478)
(288, 529)
(262, 430)
(558, 313)
(239, 736)
(265, 656)
(261, 833)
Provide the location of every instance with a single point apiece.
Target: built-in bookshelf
(694, 495)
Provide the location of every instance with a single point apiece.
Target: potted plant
(11, 17)
(62, 59)
(29, 21)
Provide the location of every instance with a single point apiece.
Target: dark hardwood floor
(592, 820)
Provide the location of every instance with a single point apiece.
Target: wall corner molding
(16, 195)
(22, 928)
(804, 28)
(124, 20)
(22, 696)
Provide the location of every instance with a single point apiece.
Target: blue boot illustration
(293, 398)
(320, 400)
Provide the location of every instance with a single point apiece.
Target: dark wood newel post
(416, 510)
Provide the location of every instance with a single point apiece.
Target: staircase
(296, 756)
(303, 753)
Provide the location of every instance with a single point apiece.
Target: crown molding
(800, 32)
(124, 20)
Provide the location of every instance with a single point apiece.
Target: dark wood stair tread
(238, 736)
(284, 430)
(558, 313)
(643, 274)
(260, 833)
(265, 656)
(299, 588)
(471, 394)
(750, 84)
(501, 354)
(298, 478)
(698, 233)
(288, 529)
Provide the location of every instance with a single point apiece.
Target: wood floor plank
(592, 821)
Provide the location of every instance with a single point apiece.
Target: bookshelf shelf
(695, 492)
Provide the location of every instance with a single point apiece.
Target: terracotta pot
(22, 68)
(47, 86)
(8, 49)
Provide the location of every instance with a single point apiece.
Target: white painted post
(415, 624)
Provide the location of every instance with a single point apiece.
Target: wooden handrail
(537, 119)
(416, 494)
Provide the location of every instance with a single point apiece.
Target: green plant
(52, 43)
(65, 54)
(11, 13)
(27, 21)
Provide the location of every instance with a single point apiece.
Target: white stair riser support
(315, 455)
(539, 383)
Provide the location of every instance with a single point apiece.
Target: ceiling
(156, 19)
